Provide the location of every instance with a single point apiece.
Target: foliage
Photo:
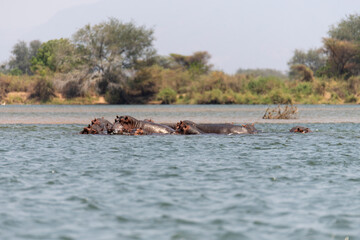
(167, 96)
(264, 85)
(117, 61)
(266, 72)
(114, 50)
(301, 72)
(116, 95)
(43, 90)
(354, 84)
(144, 87)
(351, 99)
(4, 85)
(72, 89)
(305, 89)
(313, 59)
(279, 97)
(58, 55)
(197, 64)
(340, 55)
(20, 62)
(347, 29)
(343, 57)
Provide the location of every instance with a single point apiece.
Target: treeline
(117, 61)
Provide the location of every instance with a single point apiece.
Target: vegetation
(116, 63)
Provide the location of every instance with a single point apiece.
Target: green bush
(229, 97)
(264, 85)
(215, 96)
(351, 99)
(278, 97)
(167, 96)
(304, 88)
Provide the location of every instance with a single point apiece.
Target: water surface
(80, 114)
(57, 184)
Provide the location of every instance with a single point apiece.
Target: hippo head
(250, 128)
(117, 128)
(186, 127)
(179, 128)
(299, 129)
(139, 131)
(128, 123)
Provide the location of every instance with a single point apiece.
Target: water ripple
(57, 184)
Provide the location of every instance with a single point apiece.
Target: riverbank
(23, 98)
(171, 88)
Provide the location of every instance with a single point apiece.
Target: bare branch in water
(287, 112)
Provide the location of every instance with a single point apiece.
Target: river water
(58, 184)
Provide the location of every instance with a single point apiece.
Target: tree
(198, 63)
(58, 55)
(343, 57)
(301, 72)
(34, 47)
(343, 47)
(313, 59)
(20, 62)
(114, 51)
(261, 72)
(347, 29)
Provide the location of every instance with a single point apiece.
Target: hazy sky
(237, 33)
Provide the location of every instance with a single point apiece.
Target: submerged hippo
(299, 129)
(98, 126)
(189, 127)
(129, 124)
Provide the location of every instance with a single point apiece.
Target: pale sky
(237, 33)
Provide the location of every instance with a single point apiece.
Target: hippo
(189, 127)
(251, 128)
(98, 126)
(299, 129)
(129, 123)
(226, 128)
(117, 128)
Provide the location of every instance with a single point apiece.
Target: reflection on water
(69, 114)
